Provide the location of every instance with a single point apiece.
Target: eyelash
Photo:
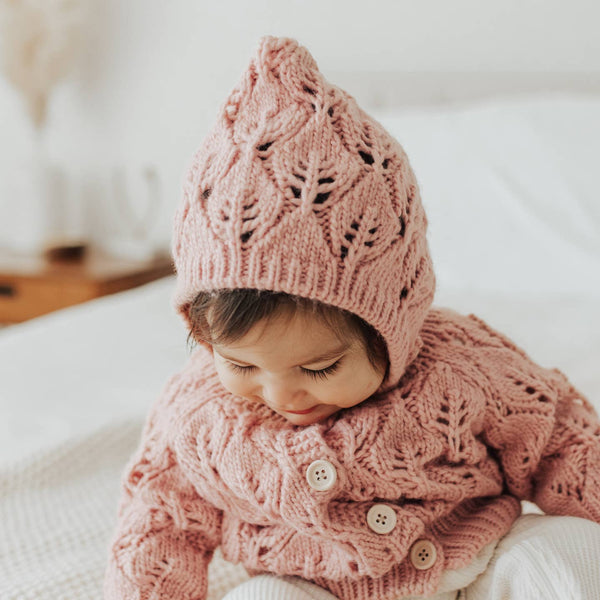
(317, 375)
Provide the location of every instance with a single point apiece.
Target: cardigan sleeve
(166, 533)
(545, 432)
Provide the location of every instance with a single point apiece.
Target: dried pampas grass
(39, 42)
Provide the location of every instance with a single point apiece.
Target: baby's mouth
(301, 412)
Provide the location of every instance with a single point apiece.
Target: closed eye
(320, 374)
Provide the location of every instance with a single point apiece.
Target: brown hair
(233, 313)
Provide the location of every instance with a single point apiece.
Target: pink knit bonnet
(296, 189)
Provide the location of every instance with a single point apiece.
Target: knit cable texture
(297, 189)
(474, 426)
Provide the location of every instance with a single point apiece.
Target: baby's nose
(281, 397)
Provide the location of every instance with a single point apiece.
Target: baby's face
(277, 363)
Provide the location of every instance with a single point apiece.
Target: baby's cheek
(233, 385)
(361, 387)
(343, 396)
(228, 382)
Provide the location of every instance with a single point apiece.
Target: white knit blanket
(57, 514)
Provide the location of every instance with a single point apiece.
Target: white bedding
(514, 212)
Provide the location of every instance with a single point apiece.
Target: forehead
(289, 338)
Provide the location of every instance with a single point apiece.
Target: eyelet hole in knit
(322, 196)
(372, 232)
(568, 490)
(349, 237)
(262, 149)
(368, 158)
(250, 213)
(402, 226)
(311, 92)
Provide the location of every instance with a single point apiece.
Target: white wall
(153, 74)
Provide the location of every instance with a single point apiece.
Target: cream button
(321, 475)
(423, 554)
(381, 518)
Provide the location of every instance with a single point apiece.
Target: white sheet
(511, 191)
(75, 385)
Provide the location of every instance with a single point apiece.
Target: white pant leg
(278, 587)
(543, 557)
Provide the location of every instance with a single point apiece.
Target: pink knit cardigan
(473, 427)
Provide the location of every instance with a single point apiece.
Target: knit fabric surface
(473, 427)
(296, 189)
(542, 556)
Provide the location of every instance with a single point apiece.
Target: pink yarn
(474, 427)
(296, 189)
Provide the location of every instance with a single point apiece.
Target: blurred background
(103, 102)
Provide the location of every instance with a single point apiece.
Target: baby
(332, 431)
